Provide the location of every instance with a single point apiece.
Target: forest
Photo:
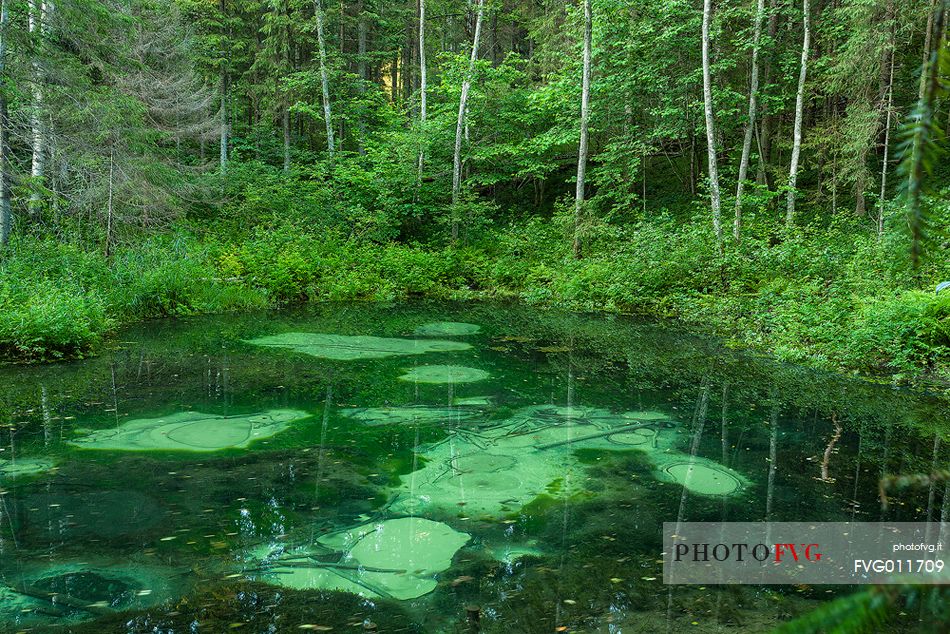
(435, 315)
(769, 171)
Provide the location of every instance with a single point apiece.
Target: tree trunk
(460, 124)
(107, 249)
(324, 82)
(223, 90)
(223, 87)
(928, 34)
(6, 218)
(37, 30)
(765, 130)
(422, 88)
(361, 32)
(799, 109)
(887, 141)
(582, 146)
(285, 123)
(860, 184)
(711, 127)
(750, 125)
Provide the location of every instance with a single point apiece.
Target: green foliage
(871, 610)
(58, 301)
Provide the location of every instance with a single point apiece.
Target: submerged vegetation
(192, 477)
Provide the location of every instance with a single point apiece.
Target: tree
(711, 126)
(889, 109)
(799, 110)
(750, 124)
(582, 145)
(422, 84)
(6, 216)
(324, 81)
(460, 123)
(38, 24)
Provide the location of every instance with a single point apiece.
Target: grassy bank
(840, 300)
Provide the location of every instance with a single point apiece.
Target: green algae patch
(444, 374)
(25, 467)
(700, 475)
(191, 431)
(447, 329)
(412, 415)
(353, 347)
(548, 451)
(394, 559)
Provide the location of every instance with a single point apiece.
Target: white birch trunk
(37, 30)
(223, 113)
(361, 35)
(108, 246)
(750, 125)
(324, 82)
(582, 145)
(6, 217)
(223, 125)
(887, 146)
(460, 124)
(423, 85)
(799, 109)
(711, 127)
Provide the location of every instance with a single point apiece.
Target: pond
(414, 467)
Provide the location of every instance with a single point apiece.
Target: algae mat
(444, 374)
(496, 469)
(191, 431)
(352, 347)
(396, 559)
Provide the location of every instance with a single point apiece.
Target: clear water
(578, 417)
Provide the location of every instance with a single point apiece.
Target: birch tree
(799, 109)
(361, 35)
(6, 217)
(324, 82)
(460, 123)
(422, 85)
(582, 145)
(750, 124)
(223, 96)
(37, 25)
(887, 137)
(711, 126)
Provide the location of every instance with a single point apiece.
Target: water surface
(407, 466)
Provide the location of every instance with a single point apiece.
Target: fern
(922, 138)
(871, 609)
